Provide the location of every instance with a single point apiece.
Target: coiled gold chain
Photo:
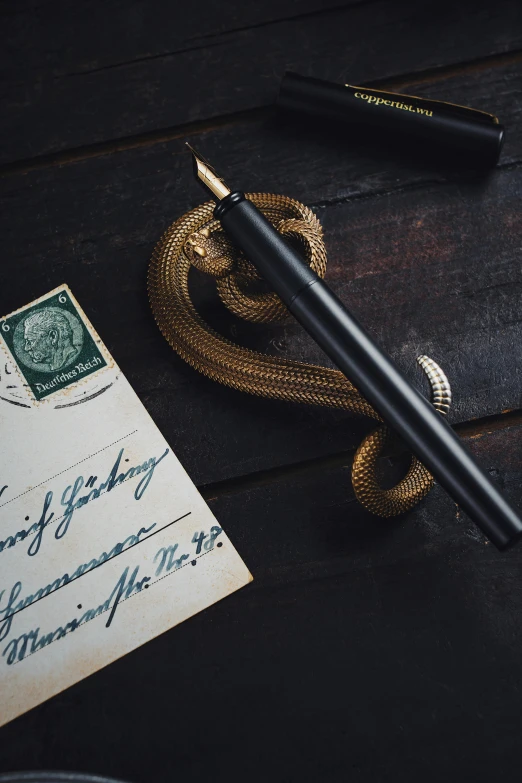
(197, 239)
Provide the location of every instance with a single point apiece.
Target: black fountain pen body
(356, 354)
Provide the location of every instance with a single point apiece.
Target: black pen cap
(431, 123)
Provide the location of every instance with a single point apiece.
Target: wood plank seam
(162, 135)
(206, 41)
(407, 188)
(317, 13)
(435, 74)
(467, 430)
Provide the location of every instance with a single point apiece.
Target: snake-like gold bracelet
(197, 239)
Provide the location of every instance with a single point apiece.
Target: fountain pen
(403, 408)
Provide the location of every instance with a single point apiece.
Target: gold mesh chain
(197, 239)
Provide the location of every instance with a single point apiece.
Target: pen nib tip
(204, 172)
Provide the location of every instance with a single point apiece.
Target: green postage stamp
(51, 344)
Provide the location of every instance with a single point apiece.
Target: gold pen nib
(204, 172)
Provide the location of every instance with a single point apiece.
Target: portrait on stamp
(48, 339)
(51, 344)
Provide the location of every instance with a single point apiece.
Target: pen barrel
(373, 373)
(475, 133)
(406, 411)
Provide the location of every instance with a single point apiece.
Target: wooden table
(365, 650)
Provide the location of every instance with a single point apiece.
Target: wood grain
(426, 255)
(87, 76)
(365, 650)
(378, 650)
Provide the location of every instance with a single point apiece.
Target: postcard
(105, 542)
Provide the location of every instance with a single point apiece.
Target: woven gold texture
(197, 239)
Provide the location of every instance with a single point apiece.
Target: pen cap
(432, 123)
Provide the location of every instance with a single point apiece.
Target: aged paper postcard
(104, 540)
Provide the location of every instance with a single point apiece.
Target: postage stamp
(51, 343)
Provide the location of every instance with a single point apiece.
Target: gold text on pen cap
(378, 101)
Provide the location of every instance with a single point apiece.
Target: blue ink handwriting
(13, 605)
(71, 500)
(167, 554)
(20, 647)
(34, 640)
(198, 539)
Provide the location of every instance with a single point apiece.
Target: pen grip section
(273, 256)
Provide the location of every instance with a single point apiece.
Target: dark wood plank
(365, 650)
(397, 658)
(308, 524)
(428, 268)
(57, 39)
(126, 79)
